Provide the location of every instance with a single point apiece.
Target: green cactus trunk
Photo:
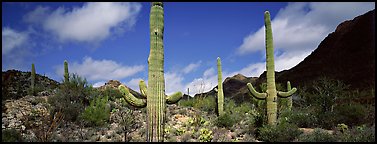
(66, 74)
(289, 103)
(155, 92)
(32, 87)
(271, 92)
(220, 93)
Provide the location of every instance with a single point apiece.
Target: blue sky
(104, 41)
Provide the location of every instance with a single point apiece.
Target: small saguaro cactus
(154, 97)
(289, 103)
(271, 93)
(32, 87)
(219, 90)
(66, 74)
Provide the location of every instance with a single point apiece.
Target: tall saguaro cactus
(32, 87)
(220, 93)
(154, 95)
(66, 74)
(271, 92)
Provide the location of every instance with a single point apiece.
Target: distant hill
(14, 83)
(348, 55)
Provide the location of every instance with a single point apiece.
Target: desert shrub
(351, 114)
(205, 135)
(357, 134)
(321, 95)
(302, 117)
(283, 132)
(318, 135)
(11, 135)
(187, 103)
(98, 113)
(72, 97)
(225, 120)
(112, 93)
(207, 104)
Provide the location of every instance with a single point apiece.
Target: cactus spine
(220, 93)
(271, 92)
(66, 74)
(154, 95)
(32, 79)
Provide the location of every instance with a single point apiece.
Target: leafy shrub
(112, 93)
(205, 135)
(283, 132)
(318, 135)
(98, 113)
(351, 114)
(302, 117)
(11, 135)
(225, 120)
(357, 134)
(207, 103)
(72, 97)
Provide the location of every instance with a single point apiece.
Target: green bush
(225, 120)
(318, 135)
(283, 132)
(357, 134)
(351, 114)
(72, 97)
(112, 93)
(11, 135)
(98, 113)
(205, 135)
(207, 104)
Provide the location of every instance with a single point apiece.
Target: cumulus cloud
(16, 49)
(134, 83)
(299, 28)
(302, 26)
(98, 84)
(12, 39)
(92, 22)
(100, 70)
(191, 67)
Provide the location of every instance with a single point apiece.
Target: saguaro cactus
(220, 93)
(66, 74)
(154, 96)
(289, 103)
(271, 92)
(32, 86)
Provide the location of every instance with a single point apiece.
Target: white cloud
(191, 67)
(104, 70)
(173, 83)
(92, 22)
(134, 84)
(12, 39)
(299, 28)
(98, 84)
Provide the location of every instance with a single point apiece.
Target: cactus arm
(131, 99)
(290, 102)
(255, 93)
(174, 98)
(143, 88)
(286, 94)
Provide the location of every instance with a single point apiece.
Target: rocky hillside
(348, 54)
(15, 83)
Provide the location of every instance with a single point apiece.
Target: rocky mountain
(15, 83)
(347, 54)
